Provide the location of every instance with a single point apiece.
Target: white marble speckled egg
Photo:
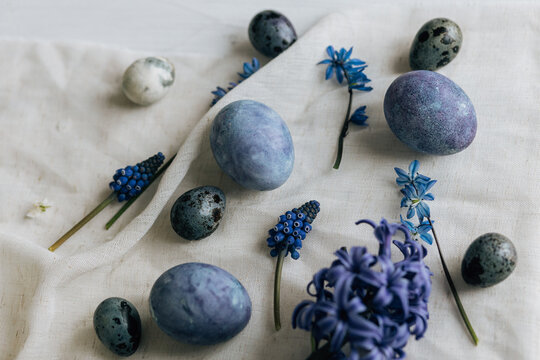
(148, 80)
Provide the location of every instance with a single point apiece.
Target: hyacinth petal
(429, 197)
(338, 336)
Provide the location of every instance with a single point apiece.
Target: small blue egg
(490, 259)
(118, 326)
(198, 212)
(199, 303)
(271, 33)
(252, 144)
(430, 113)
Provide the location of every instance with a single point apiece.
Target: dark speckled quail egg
(490, 259)
(147, 80)
(118, 326)
(197, 213)
(271, 33)
(435, 45)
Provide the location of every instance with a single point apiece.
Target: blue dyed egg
(271, 33)
(490, 259)
(252, 144)
(197, 213)
(430, 113)
(118, 326)
(199, 304)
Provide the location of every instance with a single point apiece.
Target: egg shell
(118, 325)
(436, 44)
(148, 80)
(271, 33)
(252, 144)
(199, 303)
(430, 113)
(197, 213)
(490, 259)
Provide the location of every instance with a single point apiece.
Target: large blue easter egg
(200, 304)
(252, 144)
(430, 113)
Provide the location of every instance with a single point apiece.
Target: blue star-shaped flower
(414, 198)
(412, 177)
(419, 232)
(359, 116)
(341, 63)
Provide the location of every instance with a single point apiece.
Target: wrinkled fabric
(65, 127)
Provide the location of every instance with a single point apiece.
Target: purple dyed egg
(430, 113)
(200, 304)
(252, 144)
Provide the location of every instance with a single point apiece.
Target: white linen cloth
(65, 127)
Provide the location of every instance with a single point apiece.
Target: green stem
(344, 131)
(83, 221)
(277, 285)
(132, 200)
(453, 288)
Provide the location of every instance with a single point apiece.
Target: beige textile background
(65, 127)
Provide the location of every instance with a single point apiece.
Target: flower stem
(277, 285)
(132, 200)
(83, 221)
(453, 288)
(344, 131)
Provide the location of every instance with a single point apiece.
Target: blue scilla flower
(414, 198)
(127, 184)
(286, 238)
(341, 63)
(419, 232)
(359, 117)
(412, 177)
(131, 180)
(248, 70)
(368, 301)
(415, 194)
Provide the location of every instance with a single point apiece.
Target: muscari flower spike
(352, 70)
(128, 183)
(286, 238)
(131, 180)
(248, 70)
(415, 193)
(368, 301)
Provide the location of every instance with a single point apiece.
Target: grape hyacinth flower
(128, 183)
(286, 238)
(368, 301)
(352, 70)
(248, 70)
(415, 193)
